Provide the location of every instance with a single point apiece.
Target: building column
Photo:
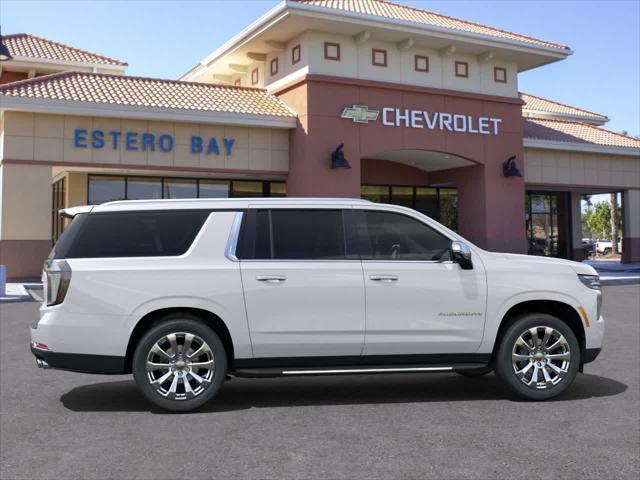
(577, 251)
(490, 207)
(631, 239)
(25, 218)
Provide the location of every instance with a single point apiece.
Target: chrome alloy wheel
(180, 366)
(541, 357)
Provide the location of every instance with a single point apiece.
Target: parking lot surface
(56, 424)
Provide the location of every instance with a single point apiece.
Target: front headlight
(591, 281)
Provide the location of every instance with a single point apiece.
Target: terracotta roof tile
(395, 11)
(545, 105)
(148, 92)
(27, 45)
(575, 132)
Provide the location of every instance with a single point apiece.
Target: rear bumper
(590, 354)
(79, 362)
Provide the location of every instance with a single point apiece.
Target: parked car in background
(605, 247)
(589, 247)
(184, 293)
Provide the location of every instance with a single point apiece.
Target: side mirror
(461, 254)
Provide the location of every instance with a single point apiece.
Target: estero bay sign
(403, 117)
(136, 141)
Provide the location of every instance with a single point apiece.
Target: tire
(476, 372)
(180, 387)
(518, 372)
(607, 251)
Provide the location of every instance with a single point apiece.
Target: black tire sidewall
(179, 323)
(504, 367)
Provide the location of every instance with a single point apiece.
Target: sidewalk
(22, 292)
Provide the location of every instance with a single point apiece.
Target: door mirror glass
(461, 254)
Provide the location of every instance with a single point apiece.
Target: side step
(267, 372)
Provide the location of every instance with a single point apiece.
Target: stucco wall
(554, 167)
(50, 138)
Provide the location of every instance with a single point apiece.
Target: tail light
(56, 278)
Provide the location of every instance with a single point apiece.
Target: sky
(166, 38)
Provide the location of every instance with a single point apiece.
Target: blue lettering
(80, 137)
(148, 140)
(228, 144)
(213, 146)
(97, 139)
(115, 136)
(165, 142)
(196, 144)
(132, 141)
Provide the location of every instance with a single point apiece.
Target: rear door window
(304, 234)
(131, 234)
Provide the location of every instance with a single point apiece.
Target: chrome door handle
(384, 278)
(271, 278)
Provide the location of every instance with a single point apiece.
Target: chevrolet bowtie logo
(360, 114)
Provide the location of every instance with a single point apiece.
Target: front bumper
(80, 362)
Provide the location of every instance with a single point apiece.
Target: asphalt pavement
(63, 425)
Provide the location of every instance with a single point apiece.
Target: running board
(354, 370)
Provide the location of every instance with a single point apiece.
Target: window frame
(326, 51)
(273, 66)
(495, 74)
(465, 65)
(255, 76)
(416, 59)
(296, 54)
(375, 51)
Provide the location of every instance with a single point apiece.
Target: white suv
(184, 293)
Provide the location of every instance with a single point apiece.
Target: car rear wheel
(180, 364)
(538, 356)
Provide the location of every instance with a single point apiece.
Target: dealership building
(424, 109)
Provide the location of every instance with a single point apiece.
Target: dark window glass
(427, 201)
(62, 246)
(292, 235)
(449, 208)
(105, 189)
(214, 189)
(131, 234)
(402, 196)
(374, 193)
(307, 234)
(397, 237)
(180, 188)
(143, 188)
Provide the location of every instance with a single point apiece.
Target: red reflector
(41, 346)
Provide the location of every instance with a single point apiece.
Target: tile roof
(395, 11)
(31, 46)
(575, 132)
(103, 88)
(545, 105)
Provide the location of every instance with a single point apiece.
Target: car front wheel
(180, 364)
(538, 356)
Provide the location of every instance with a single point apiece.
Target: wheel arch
(152, 318)
(561, 310)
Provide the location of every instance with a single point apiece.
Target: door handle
(384, 278)
(271, 278)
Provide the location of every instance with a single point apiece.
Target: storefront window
(277, 189)
(402, 196)
(375, 193)
(180, 188)
(547, 219)
(441, 204)
(427, 201)
(144, 188)
(243, 189)
(448, 198)
(105, 189)
(214, 189)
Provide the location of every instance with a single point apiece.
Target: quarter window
(392, 236)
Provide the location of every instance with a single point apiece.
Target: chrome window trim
(232, 243)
